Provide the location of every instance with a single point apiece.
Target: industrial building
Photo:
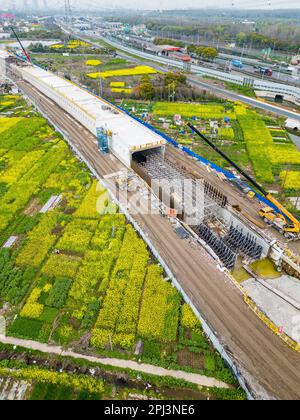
(170, 51)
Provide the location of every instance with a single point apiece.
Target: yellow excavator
(276, 215)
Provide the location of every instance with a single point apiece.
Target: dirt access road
(270, 367)
(119, 363)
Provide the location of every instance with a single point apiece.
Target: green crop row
(35, 249)
(216, 112)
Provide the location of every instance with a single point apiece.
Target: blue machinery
(103, 136)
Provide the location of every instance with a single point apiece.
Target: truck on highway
(237, 63)
(264, 71)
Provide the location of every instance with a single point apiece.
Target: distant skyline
(153, 5)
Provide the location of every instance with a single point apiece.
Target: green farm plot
(259, 142)
(212, 111)
(87, 67)
(80, 274)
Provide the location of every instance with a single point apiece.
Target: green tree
(241, 38)
(175, 78)
(147, 89)
(208, 53)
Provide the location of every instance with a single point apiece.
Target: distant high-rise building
(13, 6)
(35, 5)
(25, 6)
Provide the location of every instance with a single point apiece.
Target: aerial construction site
(205, 225)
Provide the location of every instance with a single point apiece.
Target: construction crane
(21, 45)
(277, 216)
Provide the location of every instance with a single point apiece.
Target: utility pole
(68, 11)
(100, 85)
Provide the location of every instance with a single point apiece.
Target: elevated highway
(199, 81)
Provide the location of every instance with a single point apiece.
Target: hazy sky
(157, 4)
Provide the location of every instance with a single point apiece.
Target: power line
(68, 11)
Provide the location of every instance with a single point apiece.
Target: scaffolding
(243, 244)
(185, 194)
(226, 255)
(215, 194)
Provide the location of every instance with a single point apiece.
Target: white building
(292, 124)
(128, 136)
(5, 35)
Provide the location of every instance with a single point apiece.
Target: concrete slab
(288, 285)
(277, 309)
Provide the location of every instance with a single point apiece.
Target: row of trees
(168, 87)
(40, 48)
(263, 41)
(171, 81)
(41, 34)
(167, 41)
(281, 35)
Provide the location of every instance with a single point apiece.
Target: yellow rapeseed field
(136, 71)
(117, 84)
(122, 90)
(93, 62)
